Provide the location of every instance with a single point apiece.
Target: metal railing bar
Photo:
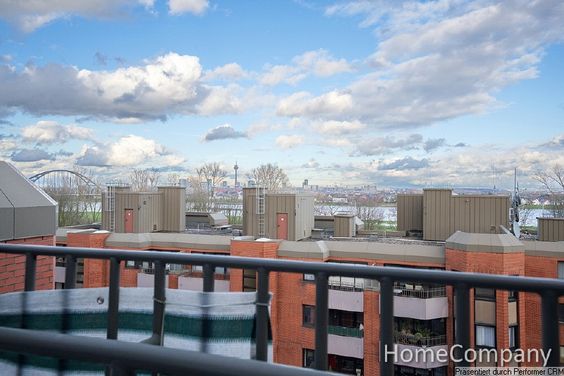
(462, 321)
(140, 356)
(502, 282)
(386, 325)
(550, 327)
(70, 272)
(159, 303)
(263, 300)
(208, 278)
(30, 266)
(321, 320)
(113, 300)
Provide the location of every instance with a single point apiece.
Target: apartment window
(308, 313)
(561, 312)
(484, 294)
(513, 334)
(308, 358)
(485, 336)
(249, 280)
(561, 269)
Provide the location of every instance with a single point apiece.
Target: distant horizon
(401, 95)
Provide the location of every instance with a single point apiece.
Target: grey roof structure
(25, 210)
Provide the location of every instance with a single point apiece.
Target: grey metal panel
(25, 209)
(436, 214)
(344, 226)
(6, 218)
(304, 216)
(149, 212)
(34, 221)
(410, 212)
(550, 229)
(20, 190)
(174, 208)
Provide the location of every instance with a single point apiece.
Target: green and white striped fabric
(228, 318)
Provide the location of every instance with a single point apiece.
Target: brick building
(424, 313)
(27, 216)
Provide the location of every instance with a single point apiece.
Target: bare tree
(198, 196)
(269, 176)
(212, 174)
(368, 210)
(552, 181)
(173, 179)
(144, 179)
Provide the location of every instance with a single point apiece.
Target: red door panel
(282, 226)
(128, 220)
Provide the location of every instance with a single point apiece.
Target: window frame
(311, 314)
(494, 336)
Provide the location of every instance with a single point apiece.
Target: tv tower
(235, 168)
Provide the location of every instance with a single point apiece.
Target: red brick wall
(12, 267)
(490, 263)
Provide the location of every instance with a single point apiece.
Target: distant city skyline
(386, 93)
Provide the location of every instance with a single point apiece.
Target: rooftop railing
(143, 356)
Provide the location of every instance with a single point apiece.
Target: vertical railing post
(262, 315)
(321, 320)
(159, 303)
(386, 327)
(113, 300)
(550, 328)
(70, 272)
(208, 278)
(30, 264)
(462, 327)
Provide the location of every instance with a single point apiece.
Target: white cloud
(49, 132)
(168, 84)
(187, 6)
(30, 15)
(338, 127)
(450, 60)
(321, 63)
(289, 141)
(128, 151)
(231, 71)
(318, 62)
(333, 103)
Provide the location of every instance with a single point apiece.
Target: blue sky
(392, 93)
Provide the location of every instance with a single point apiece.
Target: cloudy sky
(393, 93)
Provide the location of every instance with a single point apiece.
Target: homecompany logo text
(442, 355)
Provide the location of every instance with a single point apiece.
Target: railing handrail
(139, 356)
(345, 331)
(412, 339)
(424, 293)
(503, 282)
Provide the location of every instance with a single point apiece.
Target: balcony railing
(124, 358)
(345, 331)
(419, 340)
(417, 291)
(346, 284)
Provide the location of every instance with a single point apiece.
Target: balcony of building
(420, 301)
(346, 293)
(125, 358)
